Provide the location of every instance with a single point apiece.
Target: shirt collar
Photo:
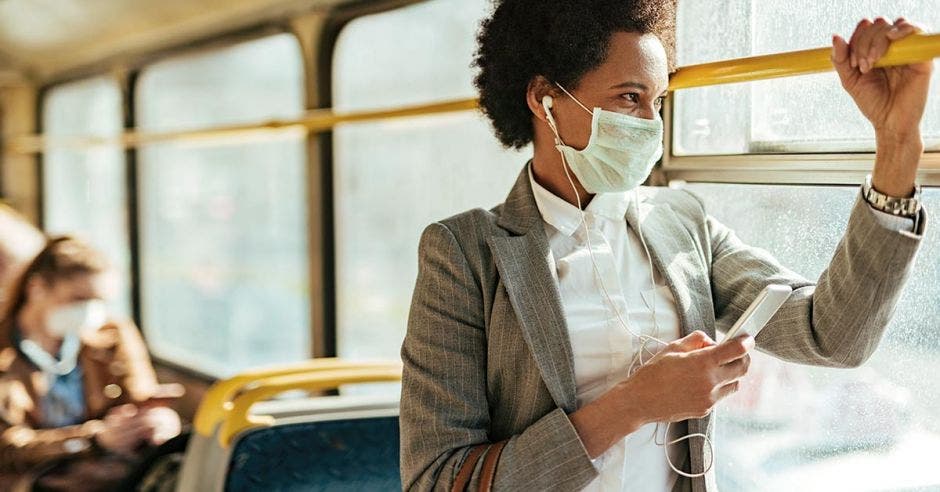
(565, 218)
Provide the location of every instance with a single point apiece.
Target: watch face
(75, 445)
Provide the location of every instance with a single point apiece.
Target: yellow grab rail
(239, 418)
(915, 48)
(316, 121)
(217, 402)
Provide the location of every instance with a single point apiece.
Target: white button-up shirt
(603, 349)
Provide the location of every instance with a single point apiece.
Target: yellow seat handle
(239, 418)
(217, 401)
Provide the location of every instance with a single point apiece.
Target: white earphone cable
(644, 339)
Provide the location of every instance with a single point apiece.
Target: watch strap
(902, 207)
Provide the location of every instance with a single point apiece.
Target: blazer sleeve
(444, 407)
(837, 321)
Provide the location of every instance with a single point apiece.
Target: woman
(76, 389)
(534, 324)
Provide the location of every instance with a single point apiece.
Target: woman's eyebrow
(631, 84)
(638, 85)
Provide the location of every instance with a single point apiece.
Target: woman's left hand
(892, 98)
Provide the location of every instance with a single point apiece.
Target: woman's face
(633, 81)
(49, 297)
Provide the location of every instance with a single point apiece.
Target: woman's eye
(632, 97)
(660, 101)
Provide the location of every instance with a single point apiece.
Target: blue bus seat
(337, 453)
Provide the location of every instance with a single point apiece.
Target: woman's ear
(538, 88)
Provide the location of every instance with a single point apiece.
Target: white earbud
(547, 102)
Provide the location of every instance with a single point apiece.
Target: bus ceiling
(44, 40)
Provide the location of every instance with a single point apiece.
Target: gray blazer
(487, 355)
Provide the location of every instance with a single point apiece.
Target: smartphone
(760, 311)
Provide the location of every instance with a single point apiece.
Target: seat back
(246, 404)
(340, 451)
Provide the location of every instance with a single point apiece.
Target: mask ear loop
(547, 104)
(574, 98)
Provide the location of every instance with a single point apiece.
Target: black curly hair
(560, 40)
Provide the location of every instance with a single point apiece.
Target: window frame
(823, 168)
(802, 168)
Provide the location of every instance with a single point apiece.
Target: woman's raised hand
(892, 98)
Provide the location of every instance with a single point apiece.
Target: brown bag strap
(489, 466)
(487, 474)
(466, 469)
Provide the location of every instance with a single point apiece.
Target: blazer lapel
(524, 264)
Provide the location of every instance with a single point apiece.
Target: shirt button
(113, 391)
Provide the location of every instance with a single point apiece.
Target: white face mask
(620, 154)
(77, 318)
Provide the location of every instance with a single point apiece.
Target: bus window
(796, 114)
(392, 178)
(85, 189)
(792, 425)
(223, 235)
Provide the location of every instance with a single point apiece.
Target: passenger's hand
(161, 424)
(688, 377)
(122, 431)
(892, 98)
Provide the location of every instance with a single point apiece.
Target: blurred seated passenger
(79, 399)
(19, 243)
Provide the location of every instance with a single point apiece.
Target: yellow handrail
(316, 121)
(916, 48)
(913, 49)
(239, 419)
(217, 402)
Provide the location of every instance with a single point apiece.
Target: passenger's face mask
(76, 318)
(620, 154)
